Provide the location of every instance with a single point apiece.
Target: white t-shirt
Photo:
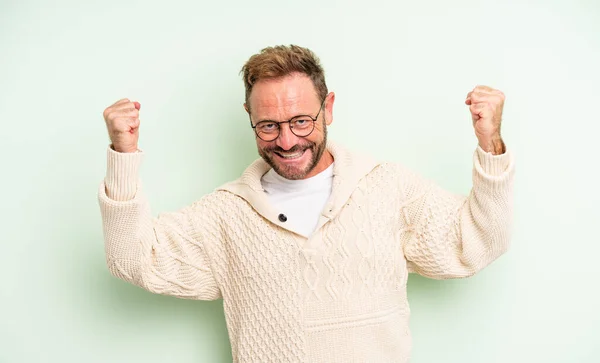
(300, 201)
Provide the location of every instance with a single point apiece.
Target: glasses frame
(278, 123)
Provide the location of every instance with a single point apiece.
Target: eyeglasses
(301, 126)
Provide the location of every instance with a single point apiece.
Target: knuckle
(107, 112)
(110, 116)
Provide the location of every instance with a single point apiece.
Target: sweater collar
(348, 169)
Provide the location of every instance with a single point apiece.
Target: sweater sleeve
(454, 236)
(165, 254)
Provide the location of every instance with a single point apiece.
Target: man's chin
(291, 171)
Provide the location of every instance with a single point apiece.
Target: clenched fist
(485, 105)
(123, 124)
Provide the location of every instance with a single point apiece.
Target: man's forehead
(282, 88)
(281, 98)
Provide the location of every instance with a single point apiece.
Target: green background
(400, 70)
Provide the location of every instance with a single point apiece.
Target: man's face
(281, 99)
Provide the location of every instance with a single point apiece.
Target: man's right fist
(123, 124)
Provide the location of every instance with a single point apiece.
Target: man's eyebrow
(266, 120)
(299, 115)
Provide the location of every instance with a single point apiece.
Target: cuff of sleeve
(122, 174)
(493, 165)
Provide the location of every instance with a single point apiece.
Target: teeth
(291, 156)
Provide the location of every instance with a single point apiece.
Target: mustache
(293, 149)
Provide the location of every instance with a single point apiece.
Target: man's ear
(330, 99)
(246, 108)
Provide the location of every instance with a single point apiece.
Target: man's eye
(301, 122)
(267, 126)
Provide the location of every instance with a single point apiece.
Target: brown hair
(280, 61)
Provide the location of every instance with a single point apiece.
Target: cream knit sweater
(338, 295)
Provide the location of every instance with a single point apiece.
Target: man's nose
(286, 139)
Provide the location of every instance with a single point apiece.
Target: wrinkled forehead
(283, 98)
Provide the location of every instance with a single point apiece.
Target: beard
(294, 172)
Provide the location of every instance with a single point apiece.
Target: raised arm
(457, 236)
(165, 254)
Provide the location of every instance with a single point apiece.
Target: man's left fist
(486, 106)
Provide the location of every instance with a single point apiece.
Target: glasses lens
(267, 130)
(302, 126)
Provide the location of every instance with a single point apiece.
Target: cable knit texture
(337, 296)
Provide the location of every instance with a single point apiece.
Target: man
(311, 247)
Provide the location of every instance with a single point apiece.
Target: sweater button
(282, 217)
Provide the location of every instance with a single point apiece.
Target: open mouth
(290, 156)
